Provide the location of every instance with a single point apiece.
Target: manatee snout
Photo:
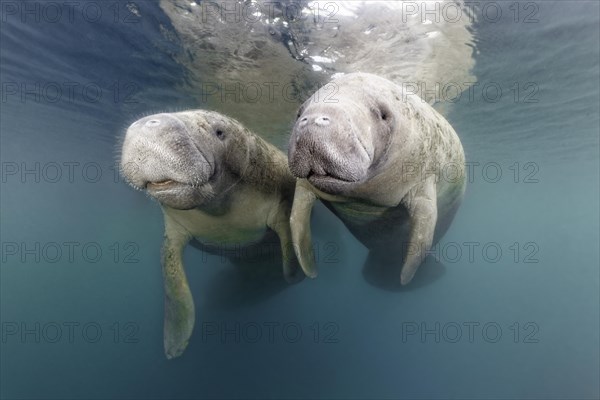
(163, 155)
(326, 146)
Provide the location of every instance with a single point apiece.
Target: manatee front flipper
(179, 304)
(280, 223)
(421, 202)
(304, 199)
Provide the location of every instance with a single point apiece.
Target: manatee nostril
(322, 121)
(303, 121)
(153, 122)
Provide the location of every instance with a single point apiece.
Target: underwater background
(506, 306)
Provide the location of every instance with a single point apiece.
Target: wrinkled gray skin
(217, 183)
(386, 163)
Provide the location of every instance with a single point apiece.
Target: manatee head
(184, 159)
(342, 132)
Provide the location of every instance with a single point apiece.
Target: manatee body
(384, 161)
(219, 185)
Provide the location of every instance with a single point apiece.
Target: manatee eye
(384, 114)
(220, 134)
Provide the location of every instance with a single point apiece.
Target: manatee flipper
(281, 226)
(421, 202)
(179, 304)
(304, 199)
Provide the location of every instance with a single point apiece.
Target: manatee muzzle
(326, 148)
(159, 153)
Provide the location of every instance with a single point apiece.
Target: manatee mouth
(170, 184)
(321, 179)
(166, 182)
(153, 187)
(178, 195)
(329, 184)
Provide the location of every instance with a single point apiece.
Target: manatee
(382, 160)
(219, 185)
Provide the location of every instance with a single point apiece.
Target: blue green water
(509, 310)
